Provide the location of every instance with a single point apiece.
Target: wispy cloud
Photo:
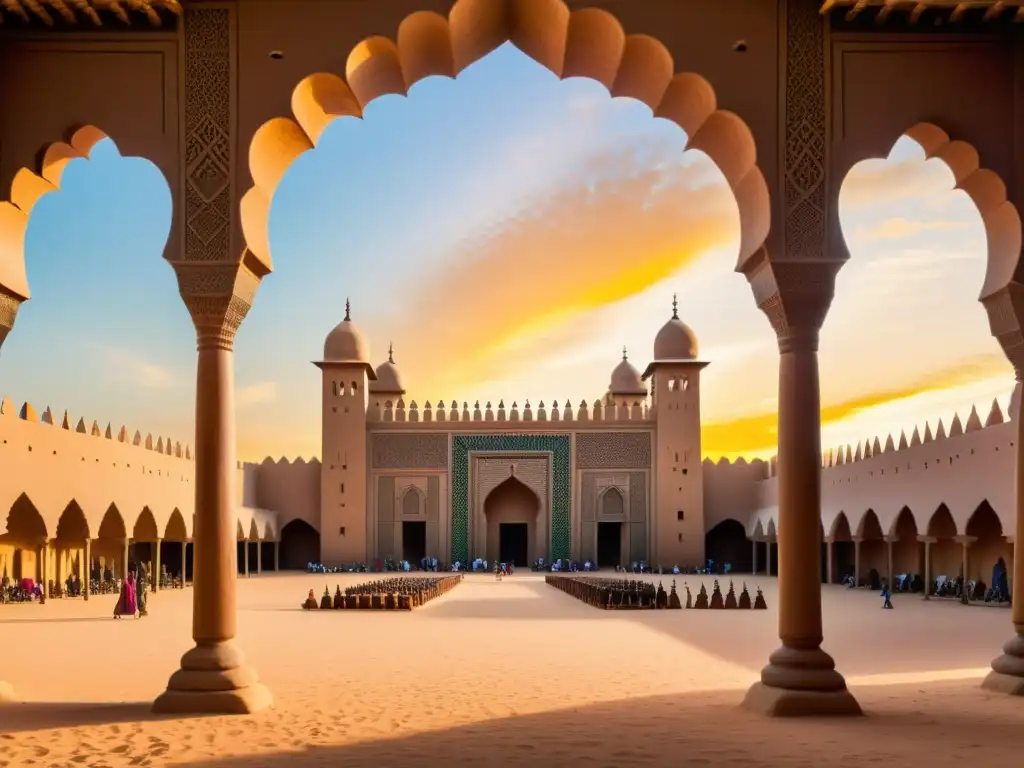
(758, 434)
(256, 394)
(126, 364)
(603, 236)
(899, 229)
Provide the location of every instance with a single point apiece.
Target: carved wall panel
(209, 217)
(410, 450)
(634, 489)
(804, 186)
(613, 450)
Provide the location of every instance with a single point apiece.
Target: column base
(1007, 675)
(6, 693)
(213, 680)
(798, 683)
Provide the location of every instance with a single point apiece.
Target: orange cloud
(899, 229)
(883, 181)
(635, 221)
(757, 434)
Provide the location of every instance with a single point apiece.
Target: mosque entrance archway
(514, 544)
(609, 545)
(300, 546)
(727, 543)
(511, 502)
(414, 540)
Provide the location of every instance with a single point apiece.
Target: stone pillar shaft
(87, 570)
(800, 678)
(856, 562)
(214, 553)
(155, 585)
(927, 569)
(768, 557)
(184, 555)
(889, 575)
(245, 555)
(754, 548)
(277, 556)
(259, 557)
(44, 571)
(829, 565)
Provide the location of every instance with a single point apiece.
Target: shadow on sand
(21, 717)
(696, 729)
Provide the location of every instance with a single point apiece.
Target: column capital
(927, 539)
(1005, 308)
(890, 539)
(856, 539)
(795, 295)
(10, 302)
(218, 295)
(966, 540)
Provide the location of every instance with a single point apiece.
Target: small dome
(676, 340)
(389, 380)
(345, 343)
(626, 379)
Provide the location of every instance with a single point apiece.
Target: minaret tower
(344, 470)
(678, 504)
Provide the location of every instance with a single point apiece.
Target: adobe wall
(124, 81)
(55, 464)
(317, 36)
(732, 490)
(966, 82)
(958, 471)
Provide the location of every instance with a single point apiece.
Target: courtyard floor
(514, 673)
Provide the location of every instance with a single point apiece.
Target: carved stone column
(277, 555)
(768, 556)
(245, 557)
(9, 304)
(1006, 311)
(184, 555)
(856, 560)
(155, 576)
(214, 678)
(753, 569)
(927, 541)
(218, 287)
(829, 561)
(889, 541)
(87, 570)
(800, 678)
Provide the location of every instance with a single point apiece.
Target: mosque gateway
(224, 95)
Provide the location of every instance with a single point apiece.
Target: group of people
(134, 590)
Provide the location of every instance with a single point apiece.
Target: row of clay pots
(386, 594)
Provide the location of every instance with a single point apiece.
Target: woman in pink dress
(126, 605)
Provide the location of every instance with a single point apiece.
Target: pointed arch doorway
(511, 510)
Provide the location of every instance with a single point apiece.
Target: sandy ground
(513, 674)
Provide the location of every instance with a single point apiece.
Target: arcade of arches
(791, 247)
(107, 549)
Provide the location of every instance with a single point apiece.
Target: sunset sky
(509, 233)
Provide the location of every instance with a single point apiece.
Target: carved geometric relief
(560, 494)
(207, 133)
(410, 450)
(613, 450)
(806, 136)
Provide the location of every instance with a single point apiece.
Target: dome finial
(624, 352)
(675, 306)
(348, 311)
(391, 352)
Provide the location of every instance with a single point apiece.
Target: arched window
(411, 503)
(612, 502)
(671, 385)
(353, 389)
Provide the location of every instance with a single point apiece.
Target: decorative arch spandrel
(585, 43)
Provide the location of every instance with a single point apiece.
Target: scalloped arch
(584, 43)
(987, 191)
(28, 188)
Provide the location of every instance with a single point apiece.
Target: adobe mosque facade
(615, 481)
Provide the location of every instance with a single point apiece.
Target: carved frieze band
(613, 450)
(397, 450)
(806, 131)
(208, 188)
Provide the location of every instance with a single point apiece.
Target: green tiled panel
(561, 486)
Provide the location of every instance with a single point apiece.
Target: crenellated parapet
(387, 411)
(960, 467)
(162, 445)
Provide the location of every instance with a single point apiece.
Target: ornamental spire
(624, 353)
(391, 352)
(675, 306)
(348, 311)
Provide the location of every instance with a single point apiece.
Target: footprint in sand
(40, 751)
(120, 750)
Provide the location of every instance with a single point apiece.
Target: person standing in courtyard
(126, 605)
(140, 589)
